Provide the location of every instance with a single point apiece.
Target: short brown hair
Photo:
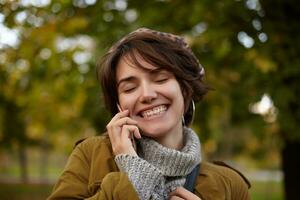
(164, 50)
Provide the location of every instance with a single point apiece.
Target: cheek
(184, 96)
(126, 102)
(181, 103)
(176, 94)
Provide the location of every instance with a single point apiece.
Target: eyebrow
(156, 70)
(126, 79)
(130, 78)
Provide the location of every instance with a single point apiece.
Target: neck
(173, 139)
(172, 162)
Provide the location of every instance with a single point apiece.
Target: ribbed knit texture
(159, 170)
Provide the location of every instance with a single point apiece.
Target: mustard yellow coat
(91, 173)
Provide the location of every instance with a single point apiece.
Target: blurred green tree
(249, 49)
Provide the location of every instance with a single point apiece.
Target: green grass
(266, 191)
(259, 191)
(24, 191)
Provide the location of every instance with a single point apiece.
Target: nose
(148, 93)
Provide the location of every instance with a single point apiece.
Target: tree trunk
(291, 169)
(23, 163)
(44, 161)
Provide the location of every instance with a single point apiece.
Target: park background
(50, 98)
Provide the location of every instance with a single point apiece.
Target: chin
(154, 132)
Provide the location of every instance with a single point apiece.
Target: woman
(150, 81)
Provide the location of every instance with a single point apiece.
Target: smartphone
(131, 135)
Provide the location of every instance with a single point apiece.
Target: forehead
(134, 64)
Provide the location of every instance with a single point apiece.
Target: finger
(175, 198)
(113, 127)
(120, 139)
(120, 115)
(125, 120)
(134, 131)
(127, 135)
(117, 117)
(128, 130)
(185, 194)
(137, 133)
(126, 139)
(114, 134)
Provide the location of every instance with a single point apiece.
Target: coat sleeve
(74, 183)
(239, 188)
(219, 181)
(237, 183)
(115, 185)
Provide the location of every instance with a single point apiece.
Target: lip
(138, 113)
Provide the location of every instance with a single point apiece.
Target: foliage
(49, 93)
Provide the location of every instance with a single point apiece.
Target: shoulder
(92, 141)
(224, 171)
(218, 180)
(95, 153)
(93, 146)
(231, 172)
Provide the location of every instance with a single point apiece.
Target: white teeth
(154, 111)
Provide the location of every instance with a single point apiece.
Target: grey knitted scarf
(159, 170)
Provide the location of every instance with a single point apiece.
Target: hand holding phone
(122, 130)
(131, 135)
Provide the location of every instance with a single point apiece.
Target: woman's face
(153, 97)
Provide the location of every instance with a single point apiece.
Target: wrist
(129, 151)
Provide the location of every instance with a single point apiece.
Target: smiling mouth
(158, 110)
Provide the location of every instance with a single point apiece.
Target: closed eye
(161, 80)
(128, 90)
(162, 76)
(127, 87)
